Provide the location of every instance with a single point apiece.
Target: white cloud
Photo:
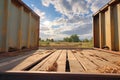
(46, 2)
(84, 36)
(75, 7)
(68, 7)
(97, 4)
(40, 13)
(76, 19)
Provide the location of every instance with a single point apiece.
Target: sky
(63, 18)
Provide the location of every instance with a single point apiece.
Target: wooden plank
(118, 8)
(74, 64)
(29, 75)
(102, 29)
(31, 60)
(87, 64)
(36, 68)
(62, 62)
(97, 60)
(108, 56)
(50, 64)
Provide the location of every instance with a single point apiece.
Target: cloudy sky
(62, 18)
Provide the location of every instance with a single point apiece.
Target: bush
(72, 38)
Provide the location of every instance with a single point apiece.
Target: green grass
(67, 44)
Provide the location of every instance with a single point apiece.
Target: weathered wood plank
(31, 60)
(50, 64)
(87, 64)
(74, 64)
(29, 75)
(62, 62)
(108, 56)
(36, 68)
(97, 60)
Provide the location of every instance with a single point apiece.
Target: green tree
(86, 40)
(52, 40)
(47, 40)
(66, 39)
(74, 38)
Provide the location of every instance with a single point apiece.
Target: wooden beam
(5, 27)
(118, 9)
(23, 75)
(102, 29)
(109, 29)
(29, 30)
(20, 29)
(96, 31)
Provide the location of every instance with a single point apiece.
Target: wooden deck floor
(92, 61)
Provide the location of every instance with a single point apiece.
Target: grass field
(67, 44)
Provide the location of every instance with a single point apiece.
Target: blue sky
(62, 18)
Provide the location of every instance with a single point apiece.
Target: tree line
(72, 38)
(75, 38)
